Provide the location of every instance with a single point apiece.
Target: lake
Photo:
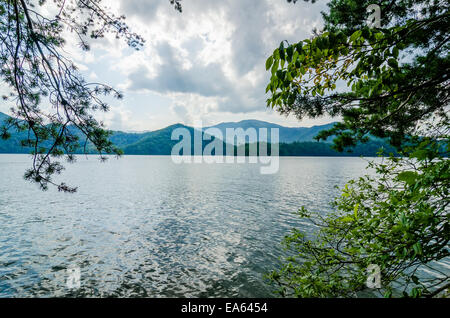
(145, 226)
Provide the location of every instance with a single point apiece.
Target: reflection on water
(144, 226)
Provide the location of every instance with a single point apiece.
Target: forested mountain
(293, 141)
(286, 134)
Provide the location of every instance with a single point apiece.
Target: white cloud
(207, 61)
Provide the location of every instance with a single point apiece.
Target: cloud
(207, 62)
(190, 108)
(174, 77)
(214, 49)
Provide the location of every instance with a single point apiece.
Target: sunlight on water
(144, 226)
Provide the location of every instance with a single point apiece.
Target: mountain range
(294, 141)
(286, 134)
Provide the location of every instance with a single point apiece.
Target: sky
(206, 63)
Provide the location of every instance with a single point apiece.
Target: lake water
(144, 226)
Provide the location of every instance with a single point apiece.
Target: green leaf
(269, 62)
(417, 248)
(393, 63)
(355, 210)
(281, 51)
(347, 219)
(355, 35)
(395, 52)
(420, 154)
(274, 67)
(408, 176)
(289, 52)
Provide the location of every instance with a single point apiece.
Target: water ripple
(145, 227)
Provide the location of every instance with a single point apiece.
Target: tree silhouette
(49, 98)
(394, 84)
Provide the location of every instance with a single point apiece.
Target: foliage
(48, 95)
(318, 149)
(390, 83)
(397, 75)
(397, 220)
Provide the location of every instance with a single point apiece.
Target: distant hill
(293, 141)
(157, 142)
(12, 144)
(3, 117)
(286, 134)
